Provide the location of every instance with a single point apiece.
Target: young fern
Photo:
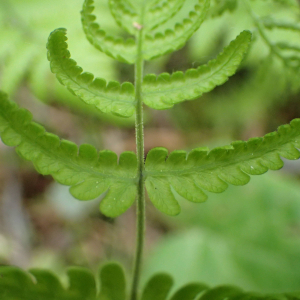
(122, 180)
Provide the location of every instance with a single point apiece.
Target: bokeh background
(247, 236)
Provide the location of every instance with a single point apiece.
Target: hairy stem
(139, 129)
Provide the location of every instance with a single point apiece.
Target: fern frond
(290, 63)
(165, 90)
(161, 12)
(108, 98)
(113, 282)
(17, 66)
(188, 175)
(173, 39)
(158, 287)
(189, 291)
(219, 7)
(115, 47)
(293, 59)
(16, 284)
(124, 14)
(225, 292)
(88, 173)
(270, 23)
(287, 46)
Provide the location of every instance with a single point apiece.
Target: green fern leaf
(81, 282)
(17, 66)
(171, 40)
(117, 48)
(219, 7)
(158, 287)
(16, 284)
(287, 46)
(113, 282)
(223, 292)
(108, 98)
(188, 175)
(89, 173)
(159, 290)
(124, 14)
(189, 292)
(165, 90)
(161, 12)
(270, 23)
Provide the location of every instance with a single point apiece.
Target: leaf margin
(213, 171)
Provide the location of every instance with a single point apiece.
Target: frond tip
(173, 39)
(108, 97)
(115, 47)
(165, 90)
(88, 173)
(161, 12)
(125, 14)
(190, 174)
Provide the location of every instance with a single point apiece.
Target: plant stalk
(140, 204)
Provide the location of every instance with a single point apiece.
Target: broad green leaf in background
(201, 170)
(166, 90)
(89, 173)
(107, 97)
(250, 231)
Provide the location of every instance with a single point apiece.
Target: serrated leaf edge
(93, 91)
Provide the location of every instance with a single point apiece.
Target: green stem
(139, 129)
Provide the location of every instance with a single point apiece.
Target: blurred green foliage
(251, 236)
(24, 30)
(247, 236)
